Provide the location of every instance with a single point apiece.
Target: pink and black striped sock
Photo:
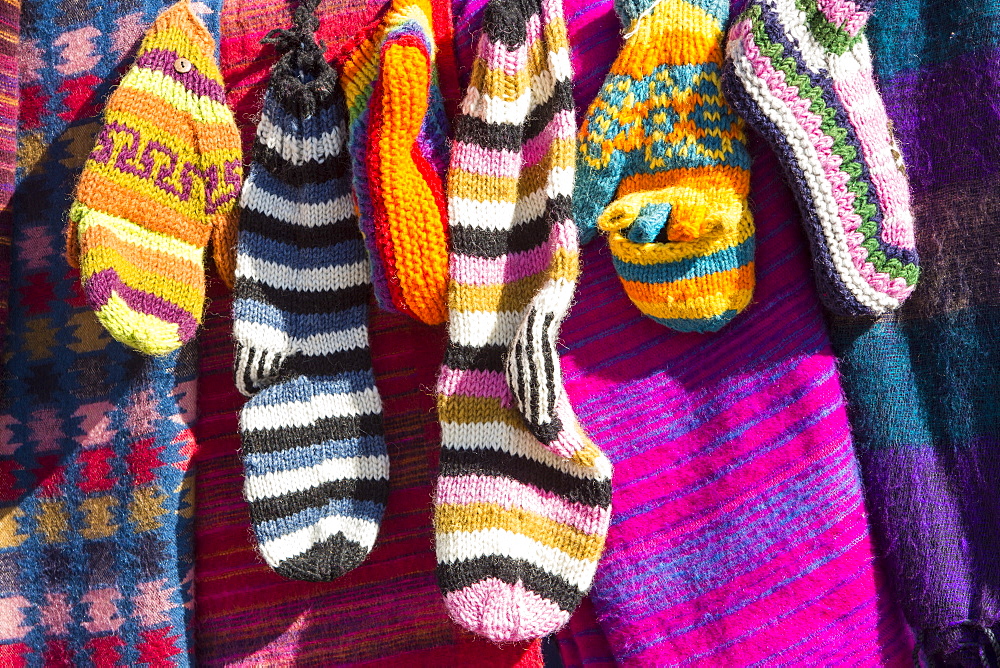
(523, 499)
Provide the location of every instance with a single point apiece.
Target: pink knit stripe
(562, 126)
(512, 494)
(504, 612)
(830, 162)
(477, 159)
(474, 383)
(552, 11)
(570, 440)
(470, 270)
(844, 13)
(867, 113)
(565, 236)
(498, 56)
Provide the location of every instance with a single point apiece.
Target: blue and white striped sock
(314, 455)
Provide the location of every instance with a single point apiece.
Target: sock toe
(324, 561)
(504, 612)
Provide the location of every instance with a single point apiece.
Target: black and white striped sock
(314, 455)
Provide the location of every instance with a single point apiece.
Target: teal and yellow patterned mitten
(663, 168)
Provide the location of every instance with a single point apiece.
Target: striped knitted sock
(664, 170)
(313, 452)
(800, 72)
(162, 181)
(522, 505)
(399, 140)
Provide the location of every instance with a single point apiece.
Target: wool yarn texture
(522, 504)
(97, 449)
(244, 609)
(664, 170)
(921, 382)
(162, 182)
(10, 18)
(399, 150)
(800, 72)
(314, 455)
(594, 33)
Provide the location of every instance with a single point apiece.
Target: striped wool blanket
(923, 386)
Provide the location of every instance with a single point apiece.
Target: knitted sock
(800, 72)
(314, 454)
(522, 505)
(663, 168)
(163, 179)
(399, 139)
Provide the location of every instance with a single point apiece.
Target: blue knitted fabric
(96, 489)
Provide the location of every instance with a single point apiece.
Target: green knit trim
(862, 206)
(833, 37)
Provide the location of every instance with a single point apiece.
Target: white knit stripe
(483, 215)
(495, 109)
(296, 213)
(554, 297)
(481, 328)
(820, 190)
(857, 61)
(560, 181)
(496, 216)
(292, 545)
(560, 65)
(518, 441)
(279, 483)
(322, 343)
(296, 149)
(284, 277)
(458, 546)
(794, 23)
(304, 413)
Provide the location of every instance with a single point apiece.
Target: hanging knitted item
(662, 167)
(161, 183)
(801, 74)
(399, 148)
(315, 462)
(523, 497)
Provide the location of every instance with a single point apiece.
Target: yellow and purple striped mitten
(162, 181)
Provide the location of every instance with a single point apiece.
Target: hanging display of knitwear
(523, 497)
(162, 182)
(744, 360)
